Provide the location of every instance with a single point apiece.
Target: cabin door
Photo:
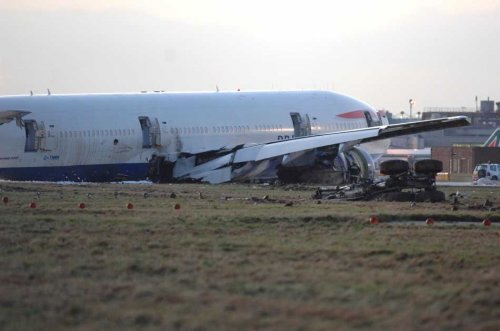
(50, 142)
(31, 129)
(151, 133)
(37, 138)
(301, 124)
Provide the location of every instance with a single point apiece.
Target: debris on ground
(399, 184)
(487, 205)
(264, 199)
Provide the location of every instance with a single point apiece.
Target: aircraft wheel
(394, 167)
(428, 167)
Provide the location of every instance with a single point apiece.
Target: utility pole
(411, 106)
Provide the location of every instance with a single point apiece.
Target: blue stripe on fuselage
(79, 173)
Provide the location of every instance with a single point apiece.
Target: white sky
(439, 53)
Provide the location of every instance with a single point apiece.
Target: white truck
(486, 170)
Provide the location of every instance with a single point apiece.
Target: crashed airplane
(210, 137)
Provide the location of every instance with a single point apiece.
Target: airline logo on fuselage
(353, 114)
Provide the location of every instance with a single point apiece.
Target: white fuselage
(69, 132)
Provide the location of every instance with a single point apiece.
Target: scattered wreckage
(398, 183)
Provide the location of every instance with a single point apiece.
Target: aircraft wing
(402, 129)
(350, 138)
(7, 116)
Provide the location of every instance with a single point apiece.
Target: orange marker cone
(374, 219)
(32, 205)
(5, 200)
(487, 222)
(81, 205)
(429, 221)
(130, 205)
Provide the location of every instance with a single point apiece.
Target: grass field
(230, 259)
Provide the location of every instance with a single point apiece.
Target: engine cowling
(360, 165)
(332, 168)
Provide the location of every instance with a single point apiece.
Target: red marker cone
(32, 205)
(81, 205)
(429, 221)
(5, 200)
(374, 219)
(487, 222)
(130, 205)
(177, 206)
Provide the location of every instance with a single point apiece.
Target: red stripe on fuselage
(353, 114)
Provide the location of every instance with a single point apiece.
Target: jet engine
(360, 165)
(330, 166)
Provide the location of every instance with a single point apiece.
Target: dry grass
(225, 261)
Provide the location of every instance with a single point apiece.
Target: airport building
(462, 160)
(483, 122)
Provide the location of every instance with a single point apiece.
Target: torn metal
(401, 184)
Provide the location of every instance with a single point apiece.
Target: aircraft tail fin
(493, 140)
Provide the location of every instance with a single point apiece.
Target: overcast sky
(439, 53)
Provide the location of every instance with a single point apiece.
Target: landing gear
(421, 182)
(394, 167)
(401, 185)
(428, 167)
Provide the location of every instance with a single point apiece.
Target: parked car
(486, 170)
